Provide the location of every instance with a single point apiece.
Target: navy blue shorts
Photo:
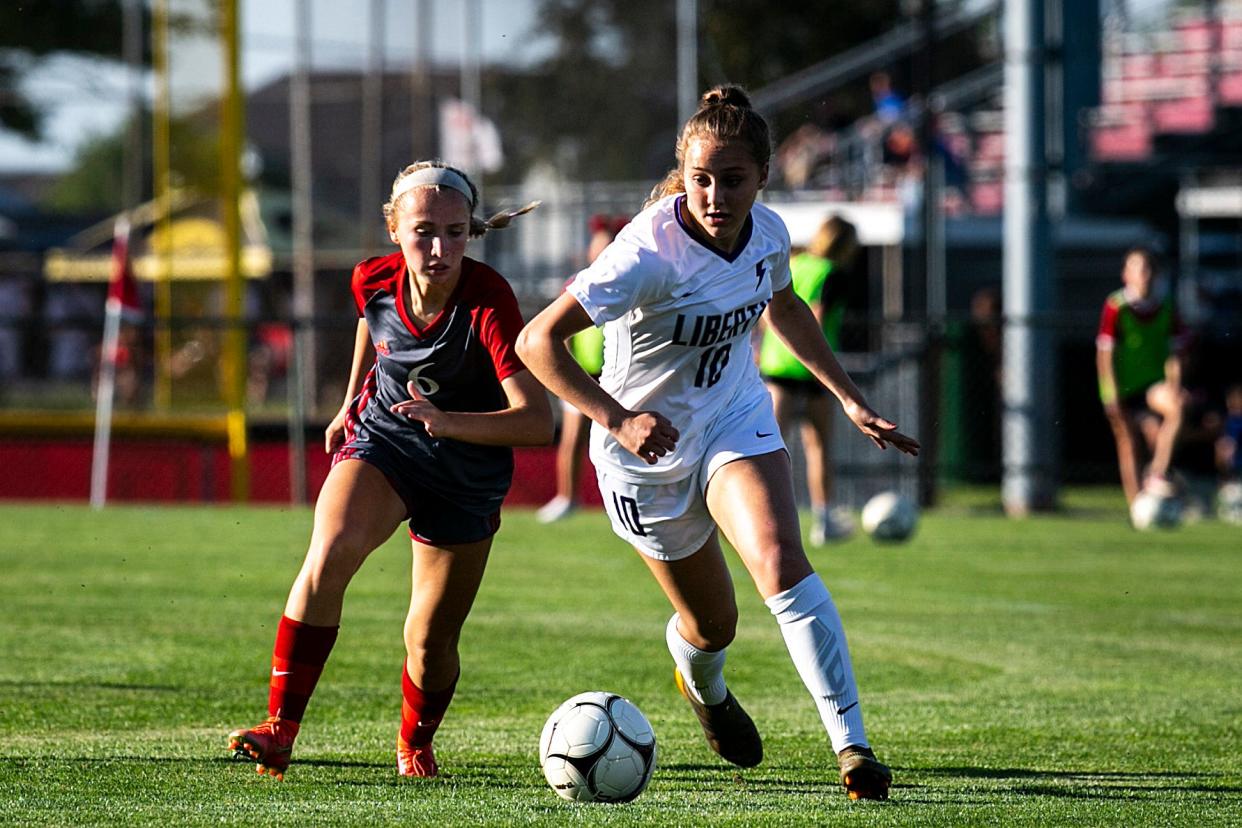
(1136, 404)
(433, 520)
(800, 387)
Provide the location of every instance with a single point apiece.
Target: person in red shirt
(1138, 362)
(423, 437)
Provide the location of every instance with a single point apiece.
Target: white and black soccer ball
(597, 747)
(890, 516)
(1152, 510)
(1229, 503)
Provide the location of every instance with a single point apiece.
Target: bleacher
(1167, 83)
(1162, 92)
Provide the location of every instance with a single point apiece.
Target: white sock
(812, 629)
(703, 671)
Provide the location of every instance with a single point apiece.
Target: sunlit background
(250, 144)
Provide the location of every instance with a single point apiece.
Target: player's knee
(774, 563)
(713, 632)
(332, 560)
(429, 651)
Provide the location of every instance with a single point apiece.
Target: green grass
(1056, 671)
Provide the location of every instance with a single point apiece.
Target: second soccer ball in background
(1155, 511)
(890, 516)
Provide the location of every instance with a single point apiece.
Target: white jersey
(678, 317)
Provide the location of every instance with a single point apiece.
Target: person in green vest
(798, 398)
(587, 347)
(1138, 362)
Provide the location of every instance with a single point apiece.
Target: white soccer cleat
(836, 524)
(555, 509)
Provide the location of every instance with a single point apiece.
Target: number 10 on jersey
(711, 365)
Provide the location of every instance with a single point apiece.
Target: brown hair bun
(726, 94)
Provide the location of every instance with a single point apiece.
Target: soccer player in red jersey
(425, 437)
(1138, 361)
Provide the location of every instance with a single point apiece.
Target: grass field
(1058, 671)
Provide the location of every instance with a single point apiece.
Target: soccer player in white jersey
(685, 441)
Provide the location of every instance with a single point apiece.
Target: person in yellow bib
(798, 398)
(1139, 349)
(587, 347)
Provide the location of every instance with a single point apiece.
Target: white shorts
(670, 521)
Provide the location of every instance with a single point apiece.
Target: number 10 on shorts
(626, 510)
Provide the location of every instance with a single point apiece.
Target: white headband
(434, 177)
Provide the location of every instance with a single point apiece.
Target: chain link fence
(940, 379)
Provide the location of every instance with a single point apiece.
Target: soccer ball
(890, 516)
(597, 747)
(1155, 511)
(1229, 503)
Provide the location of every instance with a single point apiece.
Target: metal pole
(162, 164)
(933, 293)
(1054, 109)
(687, 59)
(297, 420)
(305, 384)
(471, 79)
(235, 343)
(935, 289)
(1029, 447)
(422, 97)
(372, 132)
(134, 162)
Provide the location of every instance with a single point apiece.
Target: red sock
(297, 660)
(422, 711)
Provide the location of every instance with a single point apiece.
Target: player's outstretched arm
(541, 345)
(797, 327)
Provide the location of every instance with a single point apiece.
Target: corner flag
(121, 285)
(122, 302)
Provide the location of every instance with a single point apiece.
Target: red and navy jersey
(457, 362)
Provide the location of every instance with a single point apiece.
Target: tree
(603, 105)
(94, 184)
(592, 108)
(33, 30)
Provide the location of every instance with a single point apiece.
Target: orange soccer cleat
(269, 744)
(416, 761)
